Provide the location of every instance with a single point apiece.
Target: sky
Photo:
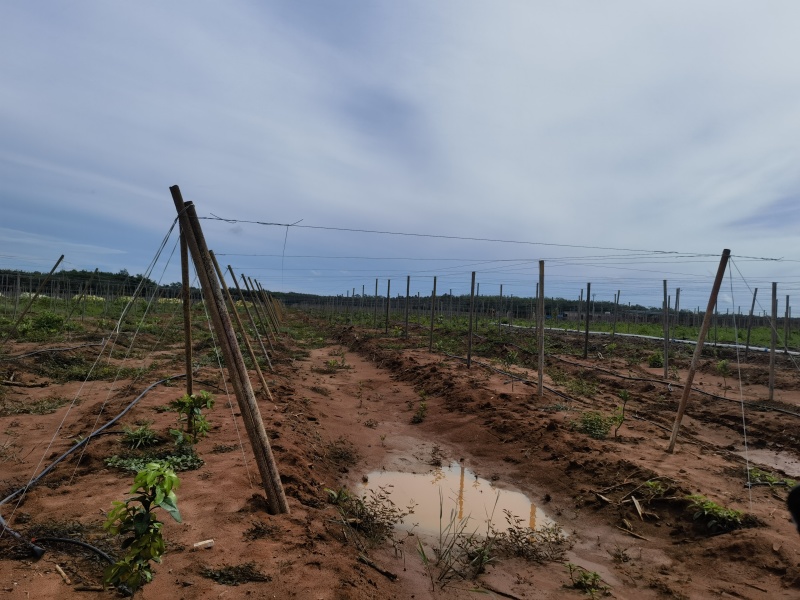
(622, 142)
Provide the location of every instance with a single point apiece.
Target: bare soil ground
(343, 407)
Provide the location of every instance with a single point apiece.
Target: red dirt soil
(324, 416)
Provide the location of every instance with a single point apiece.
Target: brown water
(454, 488)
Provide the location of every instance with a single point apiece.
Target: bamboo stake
(276, 499)
(666, 332)
(408, 290)
(265, 301)
(698, 349)
(388, 304)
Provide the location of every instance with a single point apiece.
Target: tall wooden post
(666, 332)
(240, 380)
(698, 349)
(786, 327)
(499, 314)
(586, 336)
(258, 305)
(677, 306)
(376, 303)
(408, 291)
(773, 340)
(252, 322)
(750, 324)
(187, 311)
(433, 314)
(388, 303)
(471, 311)
(540, 329)
(616, 308)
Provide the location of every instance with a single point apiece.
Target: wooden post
(258, 304)
(786, 327)
(252, 323)
(33, 298)
(540, 329)
(187, 311)
(471, 310)
(666, 332)
(500, 309)
(376, 303)
(276, 499)
(616, 308)
(586, 336)
(750, 324)
(698, 349)
(433, 314)
(388, 303)
(773, 340)
(677, 306)
(242, 330)
(408, 290)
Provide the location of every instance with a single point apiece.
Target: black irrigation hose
(77, 543)
(4, 526)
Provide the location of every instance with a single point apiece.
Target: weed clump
(371, 518)
(716, 518)
(235, 574)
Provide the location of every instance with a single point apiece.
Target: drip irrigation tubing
(94, 549)
(4, 526)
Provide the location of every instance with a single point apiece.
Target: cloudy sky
(622, 142)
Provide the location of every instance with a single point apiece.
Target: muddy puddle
(439, 492)
(782, 461)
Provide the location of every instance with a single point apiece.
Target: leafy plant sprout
(152, 488)
(190, 411)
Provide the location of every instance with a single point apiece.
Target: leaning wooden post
(251, 319)
(773, 325)
(276, 499)
(258, 304)
(187, 310)
(240, 325)
(698, 349)
(586, 337)
(540, 329)
(433, 314)
(750, 324)
(471, 310)
(267, 306)
(616, 309)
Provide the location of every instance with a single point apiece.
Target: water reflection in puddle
(461, 490)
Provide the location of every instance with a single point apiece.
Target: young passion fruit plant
(135, 517)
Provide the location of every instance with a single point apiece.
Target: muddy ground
(344, 401)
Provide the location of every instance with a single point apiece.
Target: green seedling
(589, 582)
(135, 517)
(141, 437)
(716, 518)
(190, 411)
(422, 411)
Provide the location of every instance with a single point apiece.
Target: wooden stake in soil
(616, 308)
(252, 322)
(258, 304)
(786, 327)
(276, 499)
(586, 336)
(540, 329)
(666, 332)
(433, 314)
(376, 303)
(773, 339)
(388, 303)
(471, 311)
(750, 324)
(698, 349)
(408, 290)
(25, 310)
(187, 311)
